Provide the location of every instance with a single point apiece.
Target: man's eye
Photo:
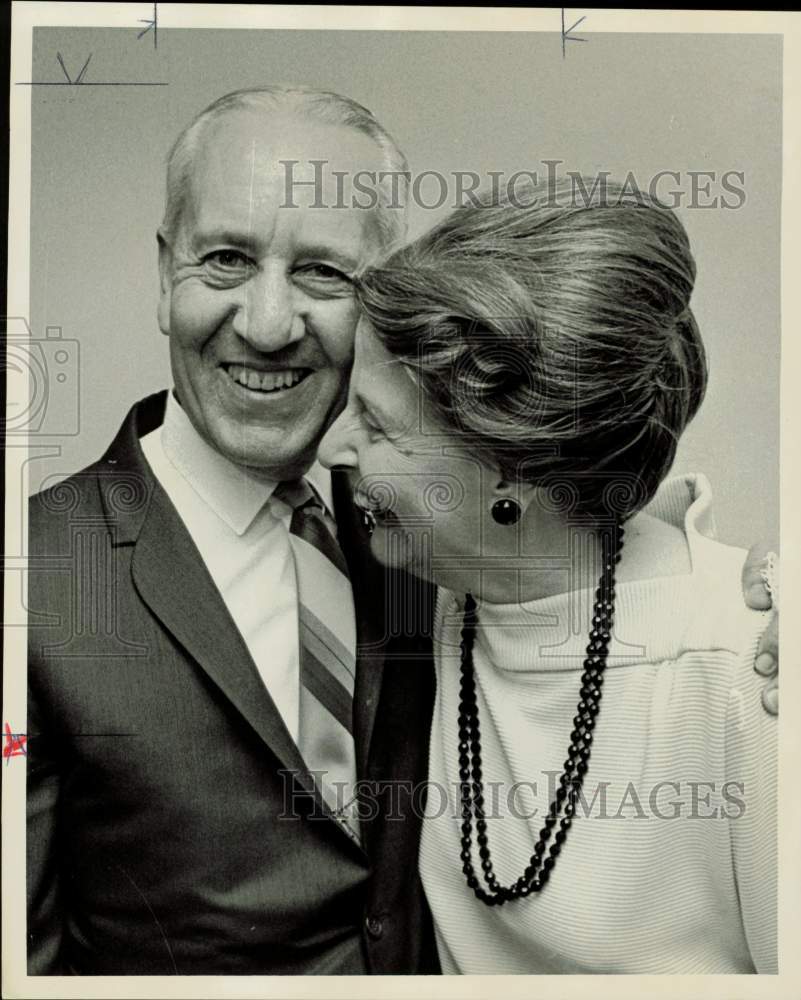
(226, 259)
(322, 273)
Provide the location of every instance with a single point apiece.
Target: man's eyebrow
(223, 234)
(327, 252)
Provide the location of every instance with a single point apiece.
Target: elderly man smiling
(194, 769)
(192, 778)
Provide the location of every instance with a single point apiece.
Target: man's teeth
(266, 381)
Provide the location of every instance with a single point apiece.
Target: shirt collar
(234, 493)
(320, 479)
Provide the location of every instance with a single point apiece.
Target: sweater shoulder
(719, 617)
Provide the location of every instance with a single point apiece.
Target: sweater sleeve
(751, 790)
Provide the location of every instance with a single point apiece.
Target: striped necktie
(327, 629)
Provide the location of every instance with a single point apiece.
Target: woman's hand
(761, 595)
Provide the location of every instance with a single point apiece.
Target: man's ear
(165, 282)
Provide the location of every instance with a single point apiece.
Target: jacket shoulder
(50, 509)
(118, 483)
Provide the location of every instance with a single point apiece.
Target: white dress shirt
(242, 534)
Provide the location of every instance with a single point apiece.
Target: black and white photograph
(400, 438)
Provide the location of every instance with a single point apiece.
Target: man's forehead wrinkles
(241, 188)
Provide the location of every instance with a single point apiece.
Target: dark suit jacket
(172, 825)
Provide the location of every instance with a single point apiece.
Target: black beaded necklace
(540, 865)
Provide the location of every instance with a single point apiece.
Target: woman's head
(552, 337)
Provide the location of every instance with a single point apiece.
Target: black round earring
(506, 511)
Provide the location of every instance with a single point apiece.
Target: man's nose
(266, 316)
(338, 446)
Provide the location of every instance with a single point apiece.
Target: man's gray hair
(322, 106)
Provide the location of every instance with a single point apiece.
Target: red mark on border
(14, 745)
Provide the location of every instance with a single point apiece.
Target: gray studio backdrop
(455, 102)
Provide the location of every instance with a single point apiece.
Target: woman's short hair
(553, 333)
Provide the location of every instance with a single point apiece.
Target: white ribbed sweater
(681, 730)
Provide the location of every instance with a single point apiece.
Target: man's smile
(265, 381)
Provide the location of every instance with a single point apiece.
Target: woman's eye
(370, 422)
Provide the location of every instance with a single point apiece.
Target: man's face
(256, 293)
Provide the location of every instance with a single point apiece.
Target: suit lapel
(173, 582)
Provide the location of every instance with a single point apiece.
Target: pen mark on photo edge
(79, 78)
(80, 82)
(154, 24)
(153, 914)
(14, 745)
(566, 36)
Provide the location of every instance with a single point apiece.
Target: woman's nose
(338, 444)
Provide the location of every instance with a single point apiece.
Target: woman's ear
(503, 487)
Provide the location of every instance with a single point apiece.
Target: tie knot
(297, 493)
(310, 520)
